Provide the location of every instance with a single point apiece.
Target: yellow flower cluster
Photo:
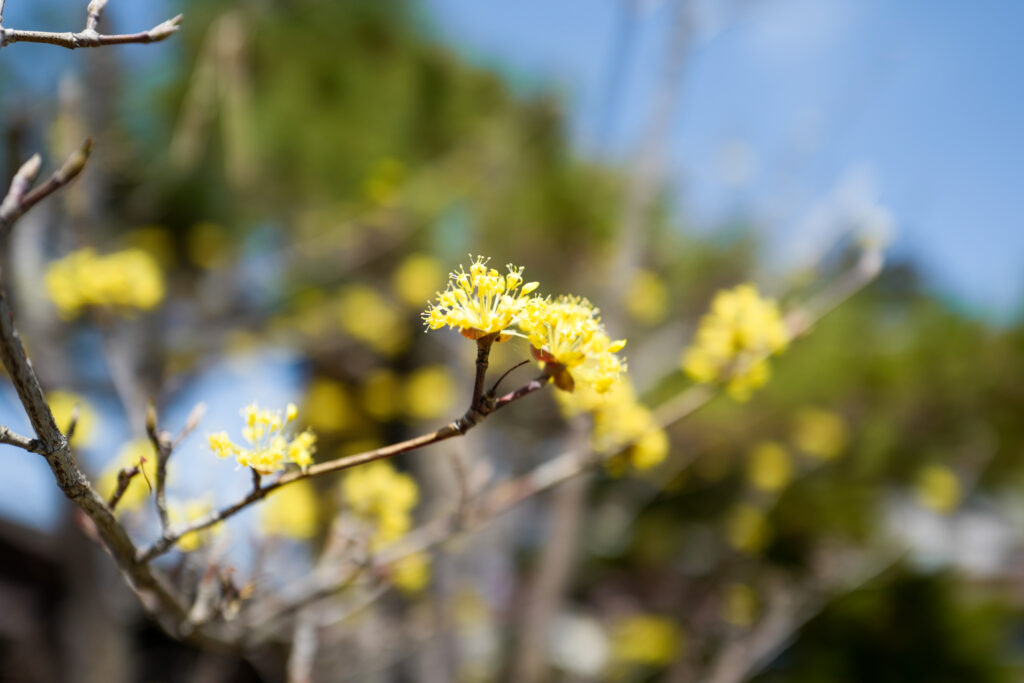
(128, 279)
(646, 639)
(621, 423)
(481, 301)
(566, 333)
(269, 443)
(734, 341)
(379, 494)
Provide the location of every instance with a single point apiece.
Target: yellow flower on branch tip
(735, 339)
(481, 301)
(125, 280)
(269, 443)
(138, 453)
(571, 344)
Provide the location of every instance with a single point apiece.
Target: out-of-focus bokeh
(278, 190)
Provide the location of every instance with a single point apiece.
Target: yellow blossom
(62, 405)
(291, 511)
(734, 341)
(570, 341)
(647, 300)
(481, 301)
(646, 639)
(328, 407)
(380, 495)
(770, 468)
(269, 444)
(411, 574)
(416, 278)
(938, 488)
(747, 528)
(124, 280)
(819, 433)
(370, 318)
(141, 453)
(429, 392)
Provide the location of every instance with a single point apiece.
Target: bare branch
(94, 11)
(13, 439)
(20, 198)
(89, 37)
(161, 441)
(124, 478)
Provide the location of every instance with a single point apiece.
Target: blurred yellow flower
(291, 511)
(429, 392)
(819, 433)
(734, 341)
(327, 406)
(415, 280)
(646, 639)
(938, 488)
(411, 574)
(378, 494)
(368, 317)
(740, 605)
(647, 298)
(747, 528)
(770, 467)
(62, 404)
(480, 302)
(269, 441)
(382, 395)
(124, 280)
(139, 452)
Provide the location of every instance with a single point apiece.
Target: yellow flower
(819, 433)
(770, 468)
(747, 528)
(378, 494)
(124, 280)
(734, 341)
(415, 279)
(291, 511)
(411, 574)
(938, 488)
(429, 392)
(570, 342)
(269, 442)
(141, 453)
(62, 405)
(647, 300)
(327, 406)
(481, 301)
(646, 639)
(370, 318)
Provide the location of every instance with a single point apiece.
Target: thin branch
(484, 405)
(94, 11)
(14, 439)
(20, 198)
(161, 441)
(89, 37)
(124, 478)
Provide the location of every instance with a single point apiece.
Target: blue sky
(803, 113)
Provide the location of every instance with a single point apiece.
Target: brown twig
(483, 405)
(14, 439)
(89, 37)
(161, 441)
(22, 196)
(124, 478)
